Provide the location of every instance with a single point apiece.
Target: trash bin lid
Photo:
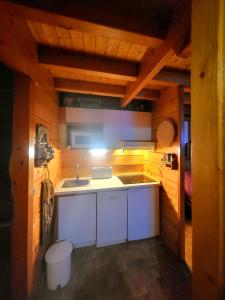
(58, 252)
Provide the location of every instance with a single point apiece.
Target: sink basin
(74, 183)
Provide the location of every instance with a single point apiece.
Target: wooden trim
(76, 86)
(89, 19)
(22, 182)
(154, 61)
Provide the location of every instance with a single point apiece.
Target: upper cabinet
(83, 115)
(135, 126)
(115, 127)
(111, 128)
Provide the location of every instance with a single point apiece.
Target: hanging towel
(47, 212)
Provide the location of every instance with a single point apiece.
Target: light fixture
(98, 151)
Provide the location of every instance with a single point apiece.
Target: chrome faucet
(77, 170)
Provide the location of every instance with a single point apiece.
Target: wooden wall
(46, 113)
(122, 161)
(32, 105)
(167, 107)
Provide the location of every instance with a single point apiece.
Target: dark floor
(136, 270)
(5, 262)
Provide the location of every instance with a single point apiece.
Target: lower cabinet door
(77, 219)
(143, 213)
(112, 218)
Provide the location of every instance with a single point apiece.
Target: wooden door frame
(208, 148)
(22, 164)
(181, 173)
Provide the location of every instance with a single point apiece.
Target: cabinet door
(111, 128)
(83, 115)
(143, 213)
(135, 125)
(77, 219)
(111, 217)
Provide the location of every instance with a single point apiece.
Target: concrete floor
(132, 271)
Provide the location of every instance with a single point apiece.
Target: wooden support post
(208, 148)
(22, 183)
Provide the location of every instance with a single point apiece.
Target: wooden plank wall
(46, 113)
(32, 105)
(21, 173)
(122, 161)
(167, 107)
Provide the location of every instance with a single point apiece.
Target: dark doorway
(6, 110)
(188, 185)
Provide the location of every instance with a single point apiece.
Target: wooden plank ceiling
(94, 52)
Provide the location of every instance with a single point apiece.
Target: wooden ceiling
(107, 42)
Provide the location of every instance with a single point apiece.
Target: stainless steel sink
(74, 183)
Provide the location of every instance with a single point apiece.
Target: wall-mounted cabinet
(111, 128)
(117, 126)
(135, 126)
(83, 115)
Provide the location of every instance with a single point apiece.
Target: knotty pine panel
(128, 162)
(85, 42)
(46, 113)
(170, 215)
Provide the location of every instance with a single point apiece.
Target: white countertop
(99, 185)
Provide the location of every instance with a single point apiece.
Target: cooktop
(133, 179)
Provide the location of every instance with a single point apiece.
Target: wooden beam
(208, 149)
(174, 76)
(56, 59)
(95, 19)
(154, 61)
(82, 87)
(149, 70)
(18, 49)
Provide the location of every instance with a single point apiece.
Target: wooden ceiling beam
(56, 59)
(92, 19)
(18, 49)
(93, 88)
(154, 60)
(61, 60)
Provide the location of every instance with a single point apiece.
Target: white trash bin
(58, 260)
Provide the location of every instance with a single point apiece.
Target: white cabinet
(143, 213)
(135, 125)
(77, 219)
(111, 128)
(83, 115)
(111, 217)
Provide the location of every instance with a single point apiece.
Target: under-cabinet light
(98, 152)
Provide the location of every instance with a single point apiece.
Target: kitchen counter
(100, 185)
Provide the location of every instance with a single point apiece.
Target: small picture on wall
(42, 134)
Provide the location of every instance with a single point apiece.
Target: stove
(134, 179)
